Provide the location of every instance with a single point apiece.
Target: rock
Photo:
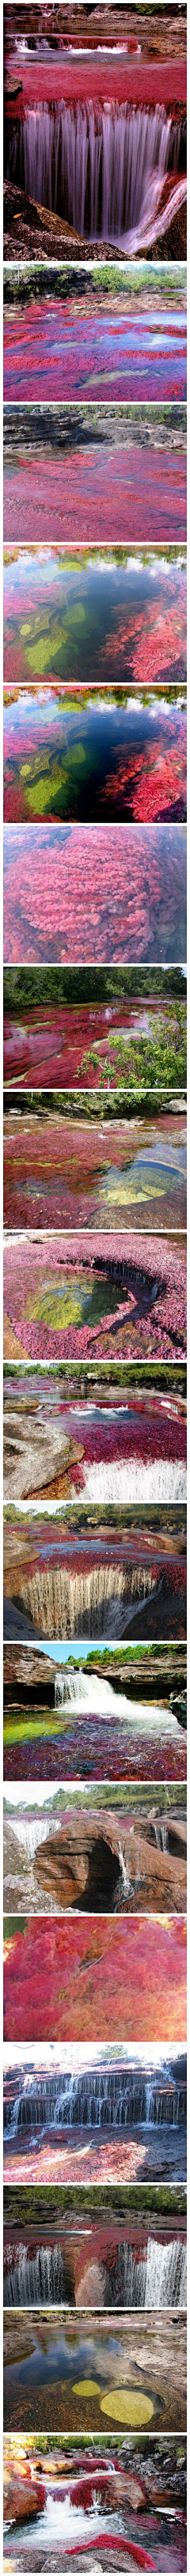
(90, 1857)
(50, 232)
(177, 1836)
(28, 1677)
(24, 2495)
(173, 243)
(30, 230)
(12, 1348)
(93, 2288)
(34, 1462)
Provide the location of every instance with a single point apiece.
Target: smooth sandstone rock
(87, 1859)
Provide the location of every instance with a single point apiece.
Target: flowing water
(117, 1882)
(59, 1043)
(100, 356)
(99, 490)
(108, 1453)
(94, 1696)
(101, 2098)
(94, 1732)
(119, 1174)
(62, 2528)
(31, 1831)
(100, 1602)
(157, 2280)
(102, 169)
(63, 2522)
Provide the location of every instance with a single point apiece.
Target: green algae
(31, 1728)
(76, 754)
(44, 790)
(41, 653)
(57, 1311)
(77, 615)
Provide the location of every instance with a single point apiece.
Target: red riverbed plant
(46, 1288)
(60, 1978)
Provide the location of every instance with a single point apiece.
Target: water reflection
(94, 757)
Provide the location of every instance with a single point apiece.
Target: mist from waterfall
(101, 168)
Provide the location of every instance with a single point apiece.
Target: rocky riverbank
(31, 232)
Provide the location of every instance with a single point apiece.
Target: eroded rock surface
(94, 1864)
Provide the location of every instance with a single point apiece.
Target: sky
(39, 1793)
(73, 2059)
(75, 1649)
(33, 1796)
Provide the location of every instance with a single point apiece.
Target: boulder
(93, 2288)
(24, 2494)
(93, 1863)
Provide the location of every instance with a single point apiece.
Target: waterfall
(101, 168)
(87, 1692)
(35, 2278)
(98, 1603)
(166, 2275)
(156, 2107)
(161, 1837)
(31, 1831)
(110, 2097)
(157, 2280)
(94, 1696)
(123, 1883)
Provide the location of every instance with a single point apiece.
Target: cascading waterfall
(75, 1686)
(156, 2107)
(158, 2280)
(96, 1697)
(36, 2277)
(99, 1602)
(166, 2275)
(101, 168)
(110, 2097)
(102, 2101)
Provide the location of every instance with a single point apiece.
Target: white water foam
(134, 1481)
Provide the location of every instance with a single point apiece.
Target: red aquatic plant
(60, 1977)
(77, 892)
(98, 492)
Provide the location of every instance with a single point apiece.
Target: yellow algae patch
(128, 2406)
(86, 2388)
(130, 1186)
